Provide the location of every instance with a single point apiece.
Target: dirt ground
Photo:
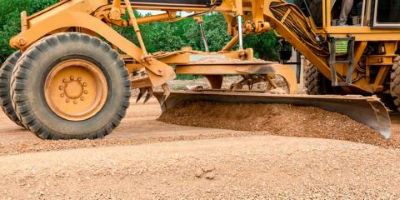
(148, 159)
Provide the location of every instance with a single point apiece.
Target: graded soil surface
(149, 159)
(258, 167)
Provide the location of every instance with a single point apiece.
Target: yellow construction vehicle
(72, 74)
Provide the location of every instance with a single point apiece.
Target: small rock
(210, 175)
(198, 173)
(209, 168)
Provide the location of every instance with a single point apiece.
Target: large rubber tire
(315, 82)
(31, 73)
(395, 83)
(5, 78)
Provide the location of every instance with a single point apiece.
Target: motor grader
(72, 74)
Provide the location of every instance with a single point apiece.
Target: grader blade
(366, 110)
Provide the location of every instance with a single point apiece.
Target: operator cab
(372, 13)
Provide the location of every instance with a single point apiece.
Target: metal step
(349, 60)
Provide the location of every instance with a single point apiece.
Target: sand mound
(283, 120)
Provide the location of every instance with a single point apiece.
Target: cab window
(388, 11)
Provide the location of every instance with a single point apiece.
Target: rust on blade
(366, 110)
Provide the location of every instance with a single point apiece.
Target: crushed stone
(276, 119)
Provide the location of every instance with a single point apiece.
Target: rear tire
(315, 82)
(70, 86)
(5, 78)
(395, 83)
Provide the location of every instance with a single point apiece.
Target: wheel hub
(76, 89)
(73, 89)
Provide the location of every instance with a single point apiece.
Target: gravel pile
(284, 120)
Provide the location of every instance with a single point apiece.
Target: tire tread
(20, 74)
(5, 82)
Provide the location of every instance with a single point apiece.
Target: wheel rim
(76, 89)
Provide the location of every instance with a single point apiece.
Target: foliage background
(157, 36)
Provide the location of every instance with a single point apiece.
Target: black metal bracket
(349, 60)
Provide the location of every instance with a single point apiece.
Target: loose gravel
(261, 167)
(284, 120)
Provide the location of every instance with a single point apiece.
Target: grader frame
(96, 18)
(89, 17)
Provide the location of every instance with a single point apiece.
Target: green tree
(265, 45)
(10, 20)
